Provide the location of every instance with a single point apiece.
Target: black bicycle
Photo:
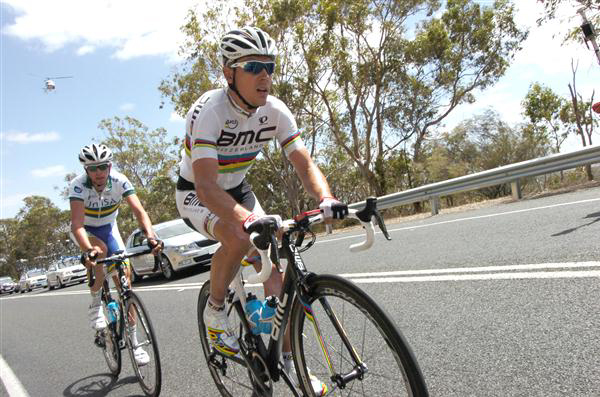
(338, 333)
(136, 333)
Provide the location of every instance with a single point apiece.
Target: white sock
(134, 340)
(96, 297)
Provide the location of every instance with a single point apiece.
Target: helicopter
(50, 85)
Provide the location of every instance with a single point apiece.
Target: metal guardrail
(497, 176)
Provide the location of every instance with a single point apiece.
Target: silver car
(65, 271)
(32, 279)
(184, 247)
(7, 285)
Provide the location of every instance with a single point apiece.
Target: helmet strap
(234, 89)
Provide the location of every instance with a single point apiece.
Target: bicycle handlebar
(119, 257)
(364, 216)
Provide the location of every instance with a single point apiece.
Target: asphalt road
(498, 301)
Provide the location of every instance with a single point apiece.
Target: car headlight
(184, 248)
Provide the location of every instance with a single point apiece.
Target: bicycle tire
(231, 376)
(111, 350)
(392, 367)
(149, 375)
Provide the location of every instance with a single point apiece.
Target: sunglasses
(94, 168)
(255, 67)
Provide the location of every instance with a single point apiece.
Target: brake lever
(157, 258)
(274, 250)
(381, 225)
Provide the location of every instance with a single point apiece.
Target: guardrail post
(435, 205)
(515, 187)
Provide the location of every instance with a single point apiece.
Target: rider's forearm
(312, 178)
(314, 181)
(144, 222)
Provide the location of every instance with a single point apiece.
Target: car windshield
(35, 273)
(5, 280)
(174, 230)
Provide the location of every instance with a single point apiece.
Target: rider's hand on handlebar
(256, 223)
(155, 244)
(88, 258)
(333, 208)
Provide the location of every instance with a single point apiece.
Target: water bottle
(253, 312)
(267, 314)
(113, 311)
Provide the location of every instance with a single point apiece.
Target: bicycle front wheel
(230, 374)
(147, 370)
(343, 338)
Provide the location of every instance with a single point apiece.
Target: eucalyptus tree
(543, 107)
(149, 159)
(39, 234)
(370, 78)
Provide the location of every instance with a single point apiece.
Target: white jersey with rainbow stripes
(216, 128)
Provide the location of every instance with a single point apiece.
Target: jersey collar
(237, 107)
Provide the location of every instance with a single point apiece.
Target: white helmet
(246, 41)
(94, 154)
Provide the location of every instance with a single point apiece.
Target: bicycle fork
(360, 368)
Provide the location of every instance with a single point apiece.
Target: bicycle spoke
(364, 347)
(148, 371)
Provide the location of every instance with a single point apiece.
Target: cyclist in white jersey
(95, 197)
(225, 131)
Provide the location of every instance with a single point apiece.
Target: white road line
(11, 382)
(537, 266)
(479, 277)
(540, 271)
(465, 219)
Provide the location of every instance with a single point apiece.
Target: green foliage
(35, 237)
(201, 70)
(149, 159)
(355, 69)
(543, 108)
(478, 144)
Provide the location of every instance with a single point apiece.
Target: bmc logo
(243, 137)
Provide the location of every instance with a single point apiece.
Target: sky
(119, 51)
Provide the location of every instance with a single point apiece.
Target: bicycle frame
(294, 285)
(123, 291)
(123, 288)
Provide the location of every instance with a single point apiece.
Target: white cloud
(28, 137)
(176, 118)
(85, 49)
(54, 170)
(127, 107)
(134, 27)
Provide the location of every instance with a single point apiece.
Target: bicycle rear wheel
(149, 375)
(111, 350)
(230, 374)
(351, 327)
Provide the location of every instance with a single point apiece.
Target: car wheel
(166, 268)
